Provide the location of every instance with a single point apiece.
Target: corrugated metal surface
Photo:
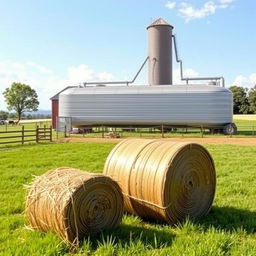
(147, 105)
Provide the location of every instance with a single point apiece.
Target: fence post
(65, 132)
(202, 132)
(102, 130)
(50, 133)
(37, 134)
(22, 135)
(44, 131)
(162, 130)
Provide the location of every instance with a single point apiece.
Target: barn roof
(56, 96)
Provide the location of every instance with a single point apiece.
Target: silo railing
(217, 79)
(119, 82)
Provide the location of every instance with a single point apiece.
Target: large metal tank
(184, 105)
(160, 53)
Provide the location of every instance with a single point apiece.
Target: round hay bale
(73, 203)
(163, 180)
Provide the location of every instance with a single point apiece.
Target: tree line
(244, 100)
(5, 115)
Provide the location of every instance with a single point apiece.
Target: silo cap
(159, 22)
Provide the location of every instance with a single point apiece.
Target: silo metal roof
(159, 22)
(160, 89)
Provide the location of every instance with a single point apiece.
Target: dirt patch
(227, 141)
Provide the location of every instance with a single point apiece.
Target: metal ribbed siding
(146, 105)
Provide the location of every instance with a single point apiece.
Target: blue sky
(52, 44)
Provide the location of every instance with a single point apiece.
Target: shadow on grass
(125, 235)
(249, 133)
(6, 147)
(230, 219)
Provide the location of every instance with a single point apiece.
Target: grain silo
(160, 53)
(154, 104)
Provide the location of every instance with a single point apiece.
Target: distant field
(244, 117)
(28, 124)
(35, 121)
(229, 229)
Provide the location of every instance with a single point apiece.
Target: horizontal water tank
(190, 105)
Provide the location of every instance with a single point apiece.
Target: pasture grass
(244, 117)
(246, 128)
(229, 229)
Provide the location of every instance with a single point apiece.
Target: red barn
(55, 107)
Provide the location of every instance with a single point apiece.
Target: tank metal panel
(145, 105)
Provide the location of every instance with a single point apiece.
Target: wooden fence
(26, 135)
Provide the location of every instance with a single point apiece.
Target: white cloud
(226, 1)
(83, 73)
(240, 80)
(170, 5)
(44, 80)
(188, 12)
(223, 6)
(80, 74)
(105, 76)
(189, 72)
(40, 68)
(252, 78)
(245, 81)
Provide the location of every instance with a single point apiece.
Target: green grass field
(229, 229)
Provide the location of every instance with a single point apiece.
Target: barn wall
(55, 112)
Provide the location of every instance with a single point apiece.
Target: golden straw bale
(163, 180)
(73, 203)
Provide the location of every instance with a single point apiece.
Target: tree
(240, 100)
(252, 99)
(3, 115)
(21, 98)
(12, 115)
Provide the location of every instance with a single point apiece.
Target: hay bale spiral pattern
(164, 180)
(73, 203)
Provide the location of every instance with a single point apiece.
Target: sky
(53, 44)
